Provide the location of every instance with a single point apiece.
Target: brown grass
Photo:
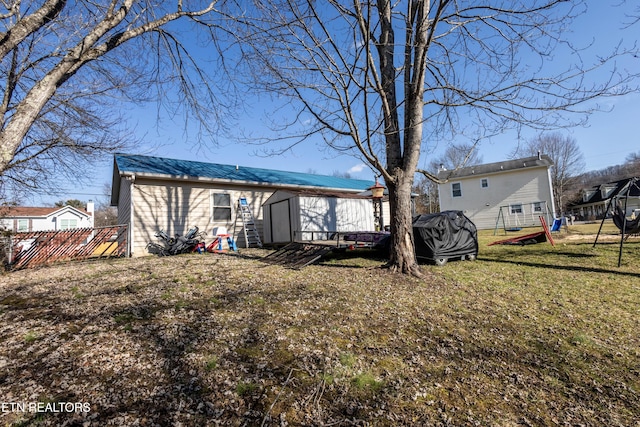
(529, 335)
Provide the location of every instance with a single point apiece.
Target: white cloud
(357, 168)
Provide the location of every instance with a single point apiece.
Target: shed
(300, 216)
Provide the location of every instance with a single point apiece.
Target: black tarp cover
(448, 234)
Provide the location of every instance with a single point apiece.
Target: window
(221, 207)
(456, 189)
(515, 208)
(536, 207)
(484, 183)
(23, 225)
(66, 224)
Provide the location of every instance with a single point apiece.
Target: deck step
(298, 255)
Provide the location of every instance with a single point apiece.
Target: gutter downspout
(553, 202)
(131, 178)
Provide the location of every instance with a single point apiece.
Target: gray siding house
(515, 192)
(595, 200)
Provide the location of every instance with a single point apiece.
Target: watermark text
(54, 407)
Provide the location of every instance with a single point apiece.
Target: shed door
(280, 222)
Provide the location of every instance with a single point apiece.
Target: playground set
(618, 212)
(533, 238)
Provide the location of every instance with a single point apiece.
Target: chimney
(91, 208)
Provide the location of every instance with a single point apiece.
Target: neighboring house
(155, 193)
(21, 218)
(596, 199)
(512, 194)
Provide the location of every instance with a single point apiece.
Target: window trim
(453, 191)
(229, 207)
(533, 207)
(486, 180)
(71, 223)
(512, 205)
(26, 225)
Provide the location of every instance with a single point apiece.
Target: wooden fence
(30, 249)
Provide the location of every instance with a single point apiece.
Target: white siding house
(22, 218)
(154, 193)
(293, 216)
(515, 192)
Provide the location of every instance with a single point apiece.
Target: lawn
(534, 335)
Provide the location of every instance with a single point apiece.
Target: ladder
(251, 235)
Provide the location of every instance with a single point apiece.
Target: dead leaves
(228, 340)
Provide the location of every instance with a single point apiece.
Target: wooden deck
(299, 254)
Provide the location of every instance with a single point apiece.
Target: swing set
(513, 217)
(626, 225)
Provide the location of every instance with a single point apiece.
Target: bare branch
(68, 66)
(26, 26)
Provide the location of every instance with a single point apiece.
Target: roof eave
(493, 172)
(235, 182)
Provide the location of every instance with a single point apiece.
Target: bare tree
(633, 157)
(426, 201)
(454, 157)
(568, 163)
(66, 67)
(378, 78)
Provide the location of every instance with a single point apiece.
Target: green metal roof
(187, 169)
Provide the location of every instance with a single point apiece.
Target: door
(280, 222)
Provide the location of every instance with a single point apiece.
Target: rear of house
(174, 195)
(508, 194)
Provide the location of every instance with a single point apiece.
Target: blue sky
(607, 139)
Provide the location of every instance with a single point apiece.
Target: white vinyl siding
(518, 187)
(177, 208)
(537, 207)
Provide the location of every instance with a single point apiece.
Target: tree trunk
(402, 257)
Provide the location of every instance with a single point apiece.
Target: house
(510, 194)
(20, 218)
(290, 216)
(596, 199)
(173, 195)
